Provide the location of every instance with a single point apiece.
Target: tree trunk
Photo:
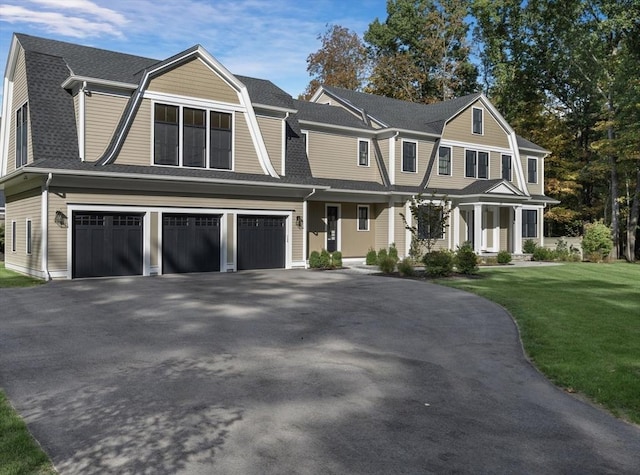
(615, 205)
(632, 222)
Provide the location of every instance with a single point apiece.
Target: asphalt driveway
(289, 372)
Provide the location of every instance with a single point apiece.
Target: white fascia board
(367, 132)
(346, 104)
(533, 150)
(284, 110)
(72, 81)
(418, 133)
(7, 99)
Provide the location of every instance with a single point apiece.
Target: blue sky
(268, 39)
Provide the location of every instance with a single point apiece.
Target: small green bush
(543, 254)
(314, 260)
(466, 260)
(382, 254)
(372, 257)
(528, 246)
(597, 242)
(336, 259)
(438, 263)
(393, 252)
(405, 267)
(387, 264)
(504, 257)
(325, 259)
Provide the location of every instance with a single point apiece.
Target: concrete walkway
(289, 372)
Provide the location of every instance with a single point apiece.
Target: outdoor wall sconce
(299, 221)
(61, 219)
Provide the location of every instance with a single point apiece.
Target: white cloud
(84, 6)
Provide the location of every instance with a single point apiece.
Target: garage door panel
(190, 243)
(261, 242)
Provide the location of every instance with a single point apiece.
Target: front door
(332, 228)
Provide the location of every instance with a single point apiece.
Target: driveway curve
(272, 372)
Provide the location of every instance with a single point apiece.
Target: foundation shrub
(393, 252)
(372, 257)
(405, 267)
(382, 254)
(504, 257)
(325, 259)
(528, 246)
(314, 260)
(438, 263)
(466, 260)
(543, 254)
(336, 259)
(387, 265)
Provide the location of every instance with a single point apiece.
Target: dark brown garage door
(261, 242)
(190, 243)
(107, 244)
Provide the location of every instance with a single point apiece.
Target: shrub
(466, 260)
(2, 238)
(336, 259)
(597, 242)
(405, 267)
(543, 254)
(382, 254)
(387, 264)
(438, 263)
(393, 252)
(504, 257)
(325, 259)
(528, 246)
(314, 260)
(372, 257)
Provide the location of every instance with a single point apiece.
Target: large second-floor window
(532, 170)
(191, 149)
(444, 161)
(21, 136)
(506, 167)
(409, 157)
(477, 127)
(476, 164)
(529, 223)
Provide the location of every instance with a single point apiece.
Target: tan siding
(400, 231)
(383, 146)
(356, 243)
(20, 96)
(457, 180)
(336, 156)
(271, 129)
(245, 155)
(489, 226)
(459, 129)
(136, 149)
(380, 212)
(316, 227)
(57, 233)
(155, 239)
(102, 113)
(19, 208)
(194, 79)
(534, 188)
(424, 154)
(505, 220)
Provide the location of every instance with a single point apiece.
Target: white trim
(456, 227)
(25, 270)
(537, 182)
(391, 223)
(502, 155)
(322, 125)
(450, 160)
(496, 229)
(477, 163)
(283, 148)
(338, 225)
(306, 140)
(368, 142)
(392, 159)
(285, 110)
(368, 227)
(481, 120)
(407, 233)
(5, 129)
(402, 142)
(44, 226)
(82, 129)
(187, 101)
(72, 80)
(458, 143)
(517, 164)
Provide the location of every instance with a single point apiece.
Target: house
(113, 164)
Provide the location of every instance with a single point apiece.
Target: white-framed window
(409, 156)
(22, 132)
(304, 135)
(476, 164)
(14, 233)
(444, 161)
(430, 222)
(477, 126)
(532, 170)
(529, 223)
(363, 152)
(192, 137)
(506, 167)
(363, 217)
(28, 240)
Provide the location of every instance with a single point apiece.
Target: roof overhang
(73, 81)
(342, 128)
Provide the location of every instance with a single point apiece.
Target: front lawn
(580, 324)
(13, 279)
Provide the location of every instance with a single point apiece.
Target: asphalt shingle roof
(326, 114)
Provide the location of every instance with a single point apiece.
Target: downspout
(45, 228)
(81, 120)
(304, 227)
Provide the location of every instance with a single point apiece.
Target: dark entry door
(107, 244)
(332, 228)
(261, 242)
(190, 243)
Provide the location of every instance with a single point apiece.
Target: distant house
(115, 164)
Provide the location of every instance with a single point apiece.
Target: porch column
(455, 228)
(517, 230)
(477, 228)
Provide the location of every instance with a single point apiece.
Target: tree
(430, 219)
(420, 52)
(340, 62)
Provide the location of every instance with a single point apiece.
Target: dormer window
(191, 149)
(21, 136)
(477, 126)
(363, 153)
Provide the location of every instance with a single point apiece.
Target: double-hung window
(206, 139)
(477, 127)
(444, 161)
(363, 153)
(483, 165)
(476, 164)
(506, 167)
(14, 234)
(430, 222)
(409, 157)
(532, 170)
(363, 218)
(21, 135)
(529, 223)
(29, 239)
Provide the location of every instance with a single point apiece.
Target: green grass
(19, 453)
(13, 279)
(580, 325)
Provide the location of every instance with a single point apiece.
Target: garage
(190, 243)
(261, 242)
(107, 244)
